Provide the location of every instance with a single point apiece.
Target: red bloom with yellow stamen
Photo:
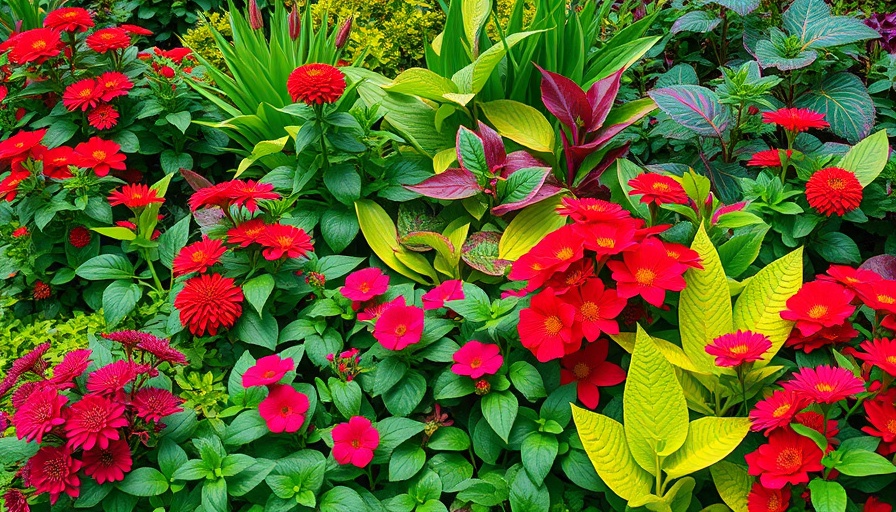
(247, 233)
(819, 304)
(21, 143)
(554, 253)
(576, 275)
(209, 302)
(248, 193)
(589, 369)
(365, 284)
(881, 414)
(153, 404)
(354, 442)
(659, 189)
(842, 333)
(316, 84)
(69, 19)
(850, 277)
(114, 84)
(56, 162)
(134, 196)
(606, 238)
(198, 256)
(39, 414)
(283, 410)
(281, 240)
(834, 191)
(683, 254)
(399, 326)
(825, 384)
(9, 187)
(108, 39)
(103, 117)
(738, 348)
(881, 353)
(108, 464)
(82, 95)
(879, 295)
(647, 271)
(548, 327)
(216, 195)
(99, 155)
(475, 359)
(592, 210)
(35, 46)
(761, 499)
(596, 308)
(776, 411)
(787, 458)
(769, 158)
(268, 370)
(795, 119)
(94, 421)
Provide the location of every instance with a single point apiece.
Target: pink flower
(365, 284)
(825, 384)
(283, 409)
(476, 359)
(449, 290)
(354, 442)
(738, 348)
(94, 421)
(153, 404)
(108, 464)
(267, 370)
(53, 470)
(111, 378)
(39, 414)
(399, 326)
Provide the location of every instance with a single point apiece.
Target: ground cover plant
(523, 255)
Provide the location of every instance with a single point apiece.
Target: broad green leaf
(528, 228)
(106, 266)
(381, 235)
(811, 21)
(654, 409)
(742, 7)
(845, 103)
(696, 21)
(709, 440)
(473, 78)
(867, 158)
(520, 123)
(704, 310)
(759, 306)
(733, 484)
(539, 451)
(262, 149)
(860, 463)
(827, 496)
(144, 482)
(500, 409)
(118, 233)
(257, 290)
(475, 14)
(119, 299)
(422, 82)
(604, 441)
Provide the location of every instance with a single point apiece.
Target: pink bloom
(111, 378)
(153, 404)
(476, 359)
(53, 470)
(108, 464)
(354, 442)
(449, 290)
(283, 409)
(738, 348)
(267, 370)
(39, 414)
(365, 284)
(825, 384)
(399, 326)
(72, 366)
(94, 421)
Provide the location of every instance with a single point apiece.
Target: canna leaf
(528, 228)
(694, 107)
(709, 440)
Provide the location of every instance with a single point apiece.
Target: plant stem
(152, 270)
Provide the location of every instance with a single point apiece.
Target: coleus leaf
(521, 188)
(519, 160)
(694, 107)
(565, 100)
(471, 152)
(492, 145)
(452, 184)
(600, 97)
(480, 251)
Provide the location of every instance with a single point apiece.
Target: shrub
(200, 38)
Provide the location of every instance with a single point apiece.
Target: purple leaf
(493, 146)
(884, 265)
(451, 184)
(601, 96)
(519, 160)
(196, 181)
(566, 100)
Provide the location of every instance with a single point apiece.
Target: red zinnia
(153, 404)
(448, 290)
(103, 117)
(354, 442)
(99, 155)
(71, 367)
(761, 499)
(248, 193)
(738, 348)
(659, 189)
(606, 238)
(56, 162)
(795, 119)
(769, 158)
(9, 187)
(596, 308)
(198, 256)
(53, 470)
(881, 415)
(35, 46)
(475, 359)
(216, 195)
(850, 277)
(683, 255)
(842, 333)
(788, 458)
(135, 196)
(69, 19)
(316, 84)
(21, 143)
(268, 370)
(554, 253)
(834, 190)
(108, 464)
(83, 94)
(208, 302)
(94, 421)
(247, 233)
(365, 284)
(283, 409)
(79, 237)
(42, 290)
(815, 421)
(825, 384)
(281, 240)
(39, 414)
(592, 210)
(108, 39)
(647, 271)
(576, 275)
(777, 411)
(136, 30)
(589, 369)
(880, 353)
(875, 505)
(548, 327)
(112, 378)
(114, 84)
(819, 304)
(399, 326)
(879, 295)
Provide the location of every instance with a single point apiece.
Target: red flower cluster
(95, 95)
(834, 191)
(109, 39)
(233, 193)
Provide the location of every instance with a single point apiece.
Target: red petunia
(248, 193)
(114, 84)
(153, 404)
(209, 302)
(283, 409)
(112, 378)
(787, 458)
(9, 187)
(135, 196)
(795, 119)
(365, 284)
(35, 46)
(596, 308)
(79, 237)
(769, 158)
(834, 191)
(448, 290)
(881, 353)
(554, 253)
(21, 143)
(99, 155)
(69, 19)
(281, 240)
(108, 464)
(777, 411)
(399, 326)
(475, 359)
(268, 370)
(589, 369)
(53, 470)
(588, 210)
(103, 117)
(247, 233)
(548, 327)
(819, 304)
(40, 413)
(761, 499)
(881, 415)
(70, 368)
(842, 333)
(94, 421)
(647, 271)
(825, 384)
(108, 39)
(82, 95)
(354, 442)
(738, 348)
(198, 256)
(657, 188)
(316, 84)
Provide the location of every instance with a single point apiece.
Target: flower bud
(255, 20)
(753, 110)
(344, 32)
(482, 387)
(295, 24)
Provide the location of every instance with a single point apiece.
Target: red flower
(592, 210)
(769, 158)
(153, 404)
(354, 442)
(548, 327)
(248, 193)
(94, 421)
(99, 155)
(35, 46)
(834, 190)
(114, 84)
(15, 501)
(20, 232)
(136, 30)
(103, 117)
(39, 414)
(659, 189)
(399, 326)
(554, 253)
(647, 271)
(475, 359)
(9, 187)
(590, 370)
(875, 505)
(448, 290)
(21, 143)
(576, 275)
(777, 411)
(788, 458)
(247, 233)
(879, 295)
(683, 255)
(850, 277)
(69, 19)
(596, 308)
(761, 499)
(42, 290)
(79, 237)
(283, 409)
(208, 302)
(842, 333)
(71, 367)
(606, 238)
(108, 39)
(108, 464)
(53, 470)
(160, 349)
(112, 378)
(738, 348)
(819, 304)
(795, 119)
(134, 196)
(198, 256)
(56, 162)
(880, 353)
(167, 72)
(881, 415)
(268, 370)
(815, 421)
(365, 284)
(281, 240)
(316, 84)
(83, 94)
(825, 384)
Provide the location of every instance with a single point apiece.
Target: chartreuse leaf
(709, 440)
(867, 158)
(704, 310)
(475, 14)
(529, 227)
(654, 409)
(520, 123)
(733, 484)
(604, 441)
(672, 352)
(422, 82)
(759, 306)
(676, 499)
(381, 235)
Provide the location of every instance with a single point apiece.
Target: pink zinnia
(72, 366)
(111, 378)
(284, 409)
(267, 370)
(449, 290)
(399, 326)
(476, 359)
(365, 284)
(39, 414)
(53, 470)
(777, 411)
(738, 348)
(825, 384)
(94, 421)
(108, 464)
(153, 404)
(354, 442)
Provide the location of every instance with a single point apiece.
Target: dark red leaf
(451, 184)
(601, 96)
(493, 146)
(565, 99)
(884, 265)
(196, 181)
(519, 160)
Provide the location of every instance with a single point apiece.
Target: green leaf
(116, 233)
(864, 463)
(388, 372)
(257, 329)
(257, 290)
(867, 158)
(811, 21)
(522, 185)
(528, 228)
(261, 149)
(539, 451)
(449, 439)
(214, 494)
(471, 153)
(709, 440)
(346, 396)
(344, 182)
(527, 495)
(405, 396)
(732, 483)
(450, 385)
(245, 428)
(696, 21)
(694, 107)
(520, 123)
(341, 499)
(144, 482)
(181, 120)
(527, 380)
(845, 103)
(422, 82)
(106, 266)
(827, 496)
(604, 441)
(836, 247)
(475, 14)
(338, 227)
(173, 240)
(817, 437)
(394, 431)
(92, 493)
(499, 409)
(406, 461)
(119, 299)
(381, 235)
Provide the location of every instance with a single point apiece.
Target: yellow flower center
(40, 44)
(606, 243)
(660, 187)
(401, 329)
(645, 276)
(476, 363)
(773, 502)
(817, 311)
(824, 387)
(673, 254)
(740, 349)
(590, 311)
(790, 459)
(365, 287)
(565, 253)
(781, 410)
(99, 155)
(284, 241)
(197, 256)
(107, 36)
(553, 325)
(891, 426)
(581, 370)
(836, 184)
(86, 93)
(886, 299)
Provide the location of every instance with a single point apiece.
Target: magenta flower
(738, 348)
(267, 370)
(284, 409)
(449, 290)
(365, 284)
(476, 359)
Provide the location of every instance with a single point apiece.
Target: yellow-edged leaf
(709, 440)
(520, 123)
(671, 351)
(759, 306)
(733, 484)
(528, 228)
(654, 408)
(475, 14)
(704, 310)
(380, 233)
(604, 441)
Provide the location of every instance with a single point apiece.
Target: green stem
(152, 270)
(659, 476)
(319, 114)
(743, 389)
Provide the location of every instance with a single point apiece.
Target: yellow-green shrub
(200, 37)
(18, 336)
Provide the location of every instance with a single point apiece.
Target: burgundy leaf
(196, 181)
(566, 100)
(519, 160)
(601, 96)
(590, 184)
(493, 145)
(451, 184)
(883, 264)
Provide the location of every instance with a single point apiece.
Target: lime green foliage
(204, 392)
(201, 39)
(733, 484)
(656, 437)
(19, 335)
